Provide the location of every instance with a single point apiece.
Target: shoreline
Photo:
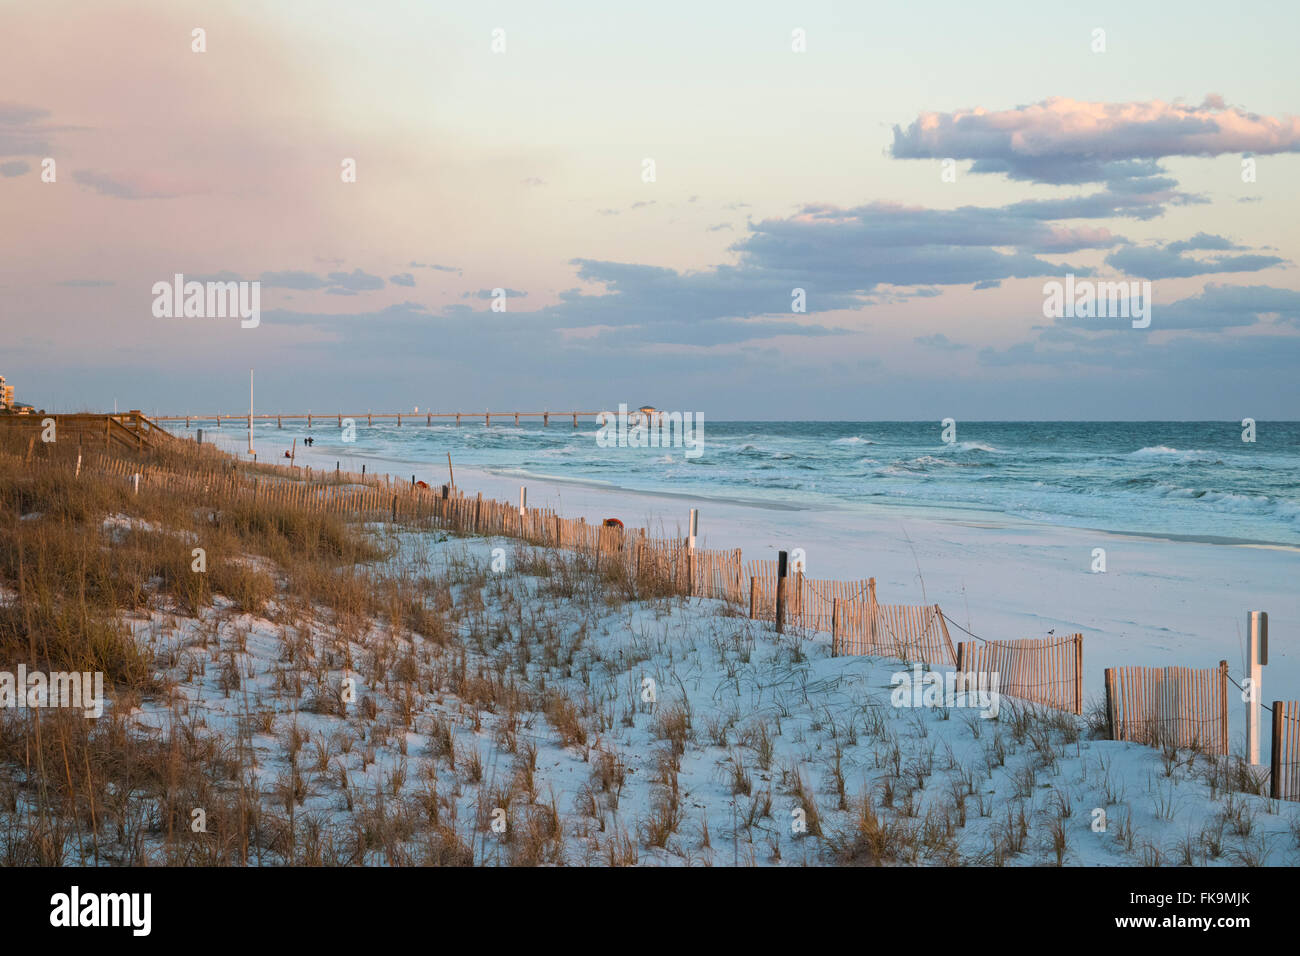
(877, 509)
(1161, 602)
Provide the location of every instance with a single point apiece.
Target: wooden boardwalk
(130, 430)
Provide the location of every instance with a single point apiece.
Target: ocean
(1193, 480)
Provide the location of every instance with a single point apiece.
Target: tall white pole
(1256, 657)
(250, 411)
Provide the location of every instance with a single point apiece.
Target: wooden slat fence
(717, 574)
(1046, 671)
(905, 632)
(810, 602)
(1169, 705)
(1285, 763)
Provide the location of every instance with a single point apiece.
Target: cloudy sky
(525, 170)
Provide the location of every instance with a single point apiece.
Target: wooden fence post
(753, 598)
(835, 626)
(1078, 673)
(1110, 703)
(1275, 762)
(798, 598)
(782, 568)
(1223, 710)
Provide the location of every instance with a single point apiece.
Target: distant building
(645, 415)
(6, 395)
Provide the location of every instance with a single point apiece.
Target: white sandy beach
(1159, 603)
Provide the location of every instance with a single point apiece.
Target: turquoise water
(1195, 479)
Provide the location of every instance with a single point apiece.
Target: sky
(921, 171)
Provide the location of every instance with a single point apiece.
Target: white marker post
(523, 500)
(1256, 658)
(250, 411)
(693, 529)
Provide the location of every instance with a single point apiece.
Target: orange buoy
(421, 484)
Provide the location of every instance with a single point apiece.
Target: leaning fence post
(782, 566)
